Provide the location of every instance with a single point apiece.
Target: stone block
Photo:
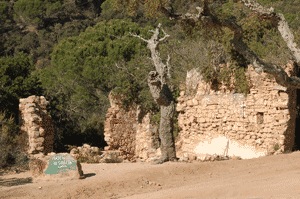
(37, 167)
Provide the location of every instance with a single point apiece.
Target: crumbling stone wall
(34, 120)
(147, 140)
(130, 132)
(213, 121)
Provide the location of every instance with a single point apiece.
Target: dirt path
(265, 177)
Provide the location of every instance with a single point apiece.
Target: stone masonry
(130, 132)
(34, 120)
(224, 122)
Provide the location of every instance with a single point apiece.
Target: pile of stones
(89, 154)
(214, 157)
(86, 152)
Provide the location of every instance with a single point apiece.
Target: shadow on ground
(14, 181)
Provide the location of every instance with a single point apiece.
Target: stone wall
(130, 132)
(34, 120)
(213, 122)
(147, 140)
(249, 127)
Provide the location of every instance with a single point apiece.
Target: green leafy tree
(61, 19)
(16, 82)
(3, 11)
(29, 12)
(85, 69)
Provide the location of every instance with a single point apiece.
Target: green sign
(60, 164)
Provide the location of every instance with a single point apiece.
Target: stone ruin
(130, 132)
(34, 120)
(214, 122)
(225, 122)
(120, 132)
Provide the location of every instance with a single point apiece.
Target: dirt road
(266, 177)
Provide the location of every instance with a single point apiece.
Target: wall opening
(260, 118)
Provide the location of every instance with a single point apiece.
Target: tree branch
(126, 69)
(153, 44)
(157, 79)
(278, 21)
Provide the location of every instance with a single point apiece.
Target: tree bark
(163, 97)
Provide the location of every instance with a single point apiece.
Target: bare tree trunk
(163, 97)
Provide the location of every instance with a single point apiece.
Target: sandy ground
(266, 177)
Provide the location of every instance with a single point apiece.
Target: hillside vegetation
(75, 53)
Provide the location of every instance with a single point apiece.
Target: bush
(14, 145)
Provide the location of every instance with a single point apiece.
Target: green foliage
(30, 11)
(28, 42)
(225, 12)
(267, 2)
(259, 35)
(132, 85)
(184, 56)
(86, 68)
(3, 10)
(14, 144)
(54, 7)
(131, 6)
(16, 82)
(179, 62)
(276, 146)
(108, 12)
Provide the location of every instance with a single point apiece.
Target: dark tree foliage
(86, 68)
(16, 82)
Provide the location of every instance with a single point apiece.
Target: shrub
(14, 145)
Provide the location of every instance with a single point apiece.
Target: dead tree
(163, 97)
